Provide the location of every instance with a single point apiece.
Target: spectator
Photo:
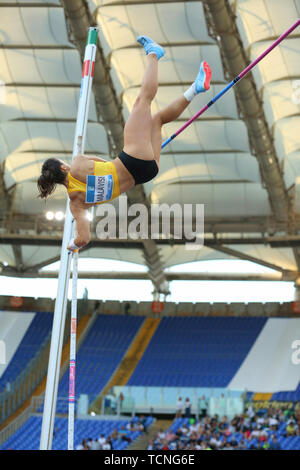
(194, 427)
(250, 413)
(203, 405)
(165, 446)
(127, 308)
(215, 441)
(242, 445)
(170, 436)
(290, 429)
(121, 399)
(161, 434)
(266, 445)
(261, 420)
(223, 423)
(187, 408)
(92, 444)
(273, 422)
(185, 430)
(227, 446)
(107, 445)
(101, 440)
(83, 445)
(151, 445)
(139, 426)
(217, 433)
(207, 423)
(258, 446)
(143, 421)
(179, 408)
(274, 445)
(114, 435)
(123, 434)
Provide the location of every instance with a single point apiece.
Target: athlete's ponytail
(52, 174)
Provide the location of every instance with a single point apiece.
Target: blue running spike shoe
(202, 82)
(151, 46)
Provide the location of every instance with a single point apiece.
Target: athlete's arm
(82, 225)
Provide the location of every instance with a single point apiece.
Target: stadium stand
(196, 352)
(37, 332)
(27, 437)
(264, 429)
(184, 351)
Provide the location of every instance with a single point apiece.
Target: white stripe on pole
(65, 259)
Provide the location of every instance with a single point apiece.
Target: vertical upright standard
(72, 365)
(65, 259)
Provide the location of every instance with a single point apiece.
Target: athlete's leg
(168, 114)
(176, 108)
(138, 128)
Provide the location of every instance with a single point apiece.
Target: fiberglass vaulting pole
(232, 83)
(66, 256)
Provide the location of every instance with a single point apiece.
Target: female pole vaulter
(91, 180)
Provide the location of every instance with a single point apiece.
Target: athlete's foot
(202, 82)
(151, 46)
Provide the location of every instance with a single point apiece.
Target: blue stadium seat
(100, 354)
(196, 351)
(32, 341)
(28, 436)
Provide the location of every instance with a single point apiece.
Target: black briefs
(142, 171)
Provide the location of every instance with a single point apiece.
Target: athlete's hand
(72, 246)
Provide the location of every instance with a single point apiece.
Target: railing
(163, 400)
(111, 407)
(12, 427)
(36, 405)
(25, 383)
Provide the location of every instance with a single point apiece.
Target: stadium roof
(240, 159)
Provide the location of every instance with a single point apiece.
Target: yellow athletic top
(101, 169)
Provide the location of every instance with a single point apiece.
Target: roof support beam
(246, 257)
(141, 2)
(37, 46)
(179, 152)
(42, 264)
(173, 276)
(175, 84)
(31, 239)
(61, 152)
(215, 227)
(17, 249)
(41, 85)
(30, 5)
(49, 119)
